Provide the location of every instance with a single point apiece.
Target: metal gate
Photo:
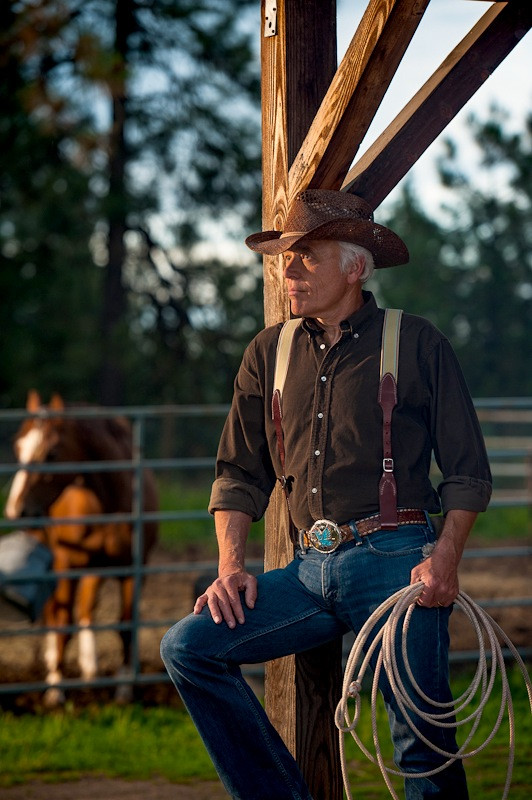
(507, 425)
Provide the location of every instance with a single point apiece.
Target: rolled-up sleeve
(244, 473)
(457, 439)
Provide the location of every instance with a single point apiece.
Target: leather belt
(326, 535)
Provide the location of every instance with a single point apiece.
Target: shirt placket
(320, 427)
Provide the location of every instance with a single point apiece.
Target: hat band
(287, 234)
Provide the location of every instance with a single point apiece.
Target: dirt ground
(104, 789)
(170, 596)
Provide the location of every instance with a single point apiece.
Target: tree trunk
(114, 301)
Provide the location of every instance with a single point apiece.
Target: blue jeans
(314, 600)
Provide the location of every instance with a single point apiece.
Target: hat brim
(387, 249)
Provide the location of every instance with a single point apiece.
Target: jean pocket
(406, 540)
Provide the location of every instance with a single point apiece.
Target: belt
(325, 535)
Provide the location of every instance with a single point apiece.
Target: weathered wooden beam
(355, 93)
(398, 148)
(318, 690)
(295, 77)
(298, 63)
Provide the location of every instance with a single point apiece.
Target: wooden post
(299, 691)
(425, 116)
(307, 142)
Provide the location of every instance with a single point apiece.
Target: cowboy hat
(328, 214)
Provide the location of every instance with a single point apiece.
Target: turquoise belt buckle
(325, 536)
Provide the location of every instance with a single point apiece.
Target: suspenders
(387, 398)
(282, 359)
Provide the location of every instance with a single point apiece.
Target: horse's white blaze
(26, 448)
(87, 653)
(27, 445)
(12, 510)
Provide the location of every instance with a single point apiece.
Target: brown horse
(56, 439)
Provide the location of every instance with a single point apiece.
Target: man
(332, 436)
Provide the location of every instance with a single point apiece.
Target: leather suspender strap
(282, 359)
(388, 400)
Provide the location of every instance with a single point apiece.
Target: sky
(443, 26)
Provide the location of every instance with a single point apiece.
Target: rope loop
(399, 608)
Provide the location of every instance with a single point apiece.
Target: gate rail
(506, 410)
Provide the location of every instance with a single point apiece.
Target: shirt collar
(355, 323)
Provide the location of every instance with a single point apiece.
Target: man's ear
(356, 268)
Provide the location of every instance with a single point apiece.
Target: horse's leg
(124, 692)
(57, 613)
(88, 592)
(71, 552)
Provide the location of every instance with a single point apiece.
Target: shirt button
(355, 336)
(323, 378)
(322, 347)
(320, 415)
(314, 490)
(316, 452)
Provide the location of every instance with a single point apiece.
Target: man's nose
(292, 263)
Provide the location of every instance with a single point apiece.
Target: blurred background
(130, 157)
(130, 173)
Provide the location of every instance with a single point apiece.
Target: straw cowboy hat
(327, 214)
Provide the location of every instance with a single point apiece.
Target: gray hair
(350, 252)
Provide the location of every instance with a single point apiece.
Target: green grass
(500, 524)
(129, 742)
(486, 771)
(494, 527)
(141, 743)
(196, 535)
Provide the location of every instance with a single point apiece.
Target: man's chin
(297, 308)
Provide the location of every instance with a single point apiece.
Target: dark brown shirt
(332, 425)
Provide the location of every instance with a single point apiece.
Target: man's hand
(223, 597)
(439, 571)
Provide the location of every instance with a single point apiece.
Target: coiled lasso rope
(402, 603)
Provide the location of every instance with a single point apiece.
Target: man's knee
(189, 641)
(179, 644)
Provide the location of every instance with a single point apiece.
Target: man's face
(316, 287)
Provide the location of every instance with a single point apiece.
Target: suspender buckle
(387, 464)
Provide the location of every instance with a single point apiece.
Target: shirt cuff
(228, 494)
(464, 493)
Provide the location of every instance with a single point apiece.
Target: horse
(61, 438)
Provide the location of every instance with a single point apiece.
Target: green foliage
(115, 114)
(129, 170)
(141, 743)
(48, 284)
(472, 276)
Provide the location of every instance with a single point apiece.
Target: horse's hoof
(54, 698)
